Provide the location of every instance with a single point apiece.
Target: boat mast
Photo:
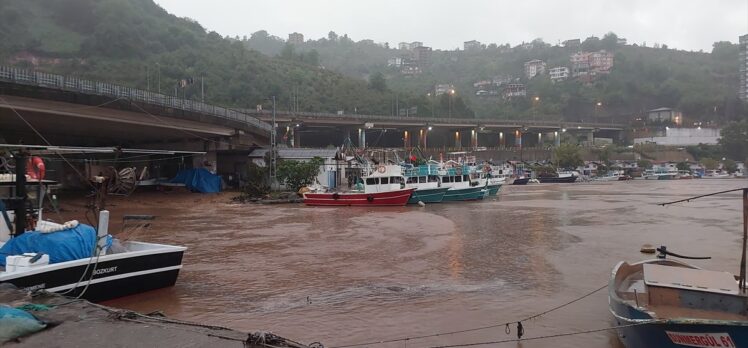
(745, 239)
(20, 197)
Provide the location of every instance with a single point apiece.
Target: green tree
(297, 174)
(730, 166)
(642, 163)
(683, 166)
(734, 140)
(568, 156)
(257, 183)
(377, 82)
(709, 163)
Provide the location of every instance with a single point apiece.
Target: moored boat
(461, 188)
(564, 177)
(384, 186)
(425, 180)
(666, 303)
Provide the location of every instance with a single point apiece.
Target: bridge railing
(74, 84)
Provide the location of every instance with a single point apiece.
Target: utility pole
(148, 78)
(158, 67)
(272, 149)
(202, 88)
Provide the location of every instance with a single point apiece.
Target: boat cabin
(384, 178)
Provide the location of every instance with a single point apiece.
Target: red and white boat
(385, 186)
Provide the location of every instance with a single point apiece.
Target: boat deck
(667, 296)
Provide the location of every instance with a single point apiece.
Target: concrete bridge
(316, 129)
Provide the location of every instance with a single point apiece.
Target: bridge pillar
(295, 138)
(422, 136)
(591, 138)
(540, 138)
(406, 139)
(473, 138)
(362, 138)
(502, 140)
(518, 138)
(556, 138)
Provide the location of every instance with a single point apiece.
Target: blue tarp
(200, 180)
(67, 245)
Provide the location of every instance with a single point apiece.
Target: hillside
(137, 43)
(702, 85)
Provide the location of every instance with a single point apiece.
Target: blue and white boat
(425, 179)
(461, 187)
(667, 303)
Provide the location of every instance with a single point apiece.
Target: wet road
(350, 275)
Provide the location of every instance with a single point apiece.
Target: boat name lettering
(35, 287)
(105, 270)
(694, 339)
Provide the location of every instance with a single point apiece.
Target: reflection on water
(346, 275)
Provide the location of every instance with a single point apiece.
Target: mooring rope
(506, 324)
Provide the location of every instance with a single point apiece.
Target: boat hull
(115, 275)
(389, 198)
(431, 195)
(520, 181)
(557, 180)
(465, 194)
(637, 328)
(494, 189)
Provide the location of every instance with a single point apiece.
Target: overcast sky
(446, 24)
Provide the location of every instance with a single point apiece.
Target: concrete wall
(684, 137)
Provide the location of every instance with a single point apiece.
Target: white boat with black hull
(72, 258)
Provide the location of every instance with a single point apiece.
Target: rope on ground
(573, 333)
(506, 324)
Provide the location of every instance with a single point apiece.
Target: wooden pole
(745, 239)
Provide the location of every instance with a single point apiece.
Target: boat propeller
(663, 252)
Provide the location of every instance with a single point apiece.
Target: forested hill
(701, 84)
(132, 42)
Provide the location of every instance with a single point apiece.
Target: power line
(403, 339)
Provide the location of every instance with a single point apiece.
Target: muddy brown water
(350, 275)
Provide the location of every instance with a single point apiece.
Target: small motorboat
(558, 178)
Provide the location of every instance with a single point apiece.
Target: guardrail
(68, 83)
(437, 120)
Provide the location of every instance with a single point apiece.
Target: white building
(534, 67)
(683, 137)
(559, 73)
(329, 172)
(396, 62)
(443, 88)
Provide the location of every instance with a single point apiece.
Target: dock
(77, 323)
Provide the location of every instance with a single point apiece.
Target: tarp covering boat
(199, 179)
(66, 245)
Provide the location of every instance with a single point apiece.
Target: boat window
(458, 179)
(422, 179)
(396, 180)
(447, 179)
(465, 178)
(501, 171)
(385, 181)
(433, 178)
(412, 180)
(372, 181)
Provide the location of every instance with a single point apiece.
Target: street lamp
(451, 93)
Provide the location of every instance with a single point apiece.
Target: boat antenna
(742, 281)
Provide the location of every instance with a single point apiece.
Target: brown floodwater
(350, 275)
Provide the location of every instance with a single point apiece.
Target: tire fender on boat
(335, 196)
(370, 198)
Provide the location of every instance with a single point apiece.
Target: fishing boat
(73, 258)
(669, 303)
(384, 186)
(425, 180)
(716, 174)
(559, 177)
(461, 188)
(661, 174)
(485, 177)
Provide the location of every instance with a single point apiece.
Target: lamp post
(158, 68)
(598, 105)
(535, 102)
(272, 168)
(451, 93)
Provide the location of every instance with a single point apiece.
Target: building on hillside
(409, 46)
(513, 90)
(395, 62)
(743, 70)
(665, 115)
(559, 73)
(573, 43)
(601, 61)
(622, 41)
(591, 64)
(444, 88)
(422, 55)
(409, 68)
(296, 38)
(534, 67)
(472, 45)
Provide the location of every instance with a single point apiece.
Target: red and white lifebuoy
(381, 169)
(35, 168)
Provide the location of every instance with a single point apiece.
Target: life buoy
(458, 170)
(35, 168)
(382, 169)
(370, 198)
